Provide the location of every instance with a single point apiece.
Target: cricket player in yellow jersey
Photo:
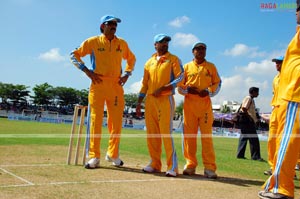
(106, 52)
(273, 124)
(200, 82)
(281, 183)
(162, 72)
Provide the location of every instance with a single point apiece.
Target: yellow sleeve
(130, 58)
(215, 86)
(83, 50)
(145, 80)
(182, 87)
(177, 71)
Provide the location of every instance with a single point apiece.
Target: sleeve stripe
(74, 61)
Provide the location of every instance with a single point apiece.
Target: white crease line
(141, 180)
(20, 178)
(17, 185)
(86, 182)
(111, 181)
(30, 165)
(127, 166)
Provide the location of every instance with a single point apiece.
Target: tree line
(17, 97)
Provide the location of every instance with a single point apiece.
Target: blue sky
(37, 37)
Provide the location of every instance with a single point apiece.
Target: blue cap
(278, 59)
(107, 18)
(160, 37)
(198, 44)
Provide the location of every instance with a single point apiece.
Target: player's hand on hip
(123, 79)
(193, 90)
(203, 93)
(96, 78)
(161, 89)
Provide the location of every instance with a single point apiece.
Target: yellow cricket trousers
(273, 134)
(197, 113)
(159, 113)
(287, 153)
(107, 92)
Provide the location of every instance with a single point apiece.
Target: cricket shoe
(270, 195)
(171, 173)
(268, 172)
(149, 169)
(189, 171)
(210, 174)
(115, 161)
(92, 163)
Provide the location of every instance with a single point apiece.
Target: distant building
(233, 105)
(216, 108)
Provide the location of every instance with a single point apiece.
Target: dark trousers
(248, 132)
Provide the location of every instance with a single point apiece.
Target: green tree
(43, 94)
(83, 97)
(17, 94)
(66, 96)
(6, 92)
(225, 109)
(179, 109)
(130, 100)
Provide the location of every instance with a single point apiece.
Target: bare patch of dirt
(41, 172)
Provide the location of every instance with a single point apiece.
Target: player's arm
(177, 70)
(130, 63)
(216, 83)
(75, 58)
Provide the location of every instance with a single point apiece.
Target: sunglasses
(110, 23)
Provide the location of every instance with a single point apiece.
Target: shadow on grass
(220, 179)
(227, 180)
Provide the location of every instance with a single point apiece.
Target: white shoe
(210, 174)
(171, 173)
(116, 161)
(92, 163)
(270, 195)
(149, 169)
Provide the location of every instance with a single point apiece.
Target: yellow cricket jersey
(203, 76)
(106, 56)
(160, 72)
(275, 90)
(289, 85)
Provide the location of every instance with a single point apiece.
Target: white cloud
(134, 87)
(52, 55)
(244, 50)
(178, 22)
(233, 88)
(237, 87)
(264, 68)
(178, 98)
(184, 40)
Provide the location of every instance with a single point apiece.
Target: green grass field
(33, 159)
(133, 143)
